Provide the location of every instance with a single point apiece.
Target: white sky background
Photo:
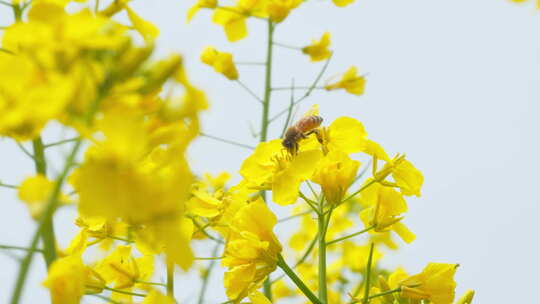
(453, 84)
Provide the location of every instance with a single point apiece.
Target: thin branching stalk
(297, 281)
(206, 276)
(349, 236)
(48, 236)
(265, 114)
(322, 252)
(170, 279)
(227, 141)
(53, 201)
(249, 91)
(368, 274)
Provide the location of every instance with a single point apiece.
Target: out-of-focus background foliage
(454, 84)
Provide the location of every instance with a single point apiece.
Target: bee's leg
(319, 135)
(296, 148)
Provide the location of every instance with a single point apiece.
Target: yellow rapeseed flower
(350, 82)
(66, 280)
(200, 4)
(467, 297)
(251, 250)
(318, 50)
(124, 270)
(156, 297)
(271, 167)
(35, 192)
(385, 207)
(435, 283)
(278, 10)
(345, 134)
(221, 62)
(335, 173)
(342, 3)
(147, 30)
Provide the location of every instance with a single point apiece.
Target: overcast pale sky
(453, 84)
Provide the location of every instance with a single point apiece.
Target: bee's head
(290, 144)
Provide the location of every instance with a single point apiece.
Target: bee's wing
(313, 111)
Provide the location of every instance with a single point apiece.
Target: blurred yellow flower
(156, 297)
(123, 270)
(35, 192)
(342, 3)
(350, 82)
(200, 4)
(221, 62)
(278, 10)
(467, 297)
(66, 280)
(318, 50)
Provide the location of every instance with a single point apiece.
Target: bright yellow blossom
(271, 167)
(124, 270)
(20, 118)
(384, 211)
(345, 134)
(147, 30)
(318, 50)
(406, 177)
(156, 297)
(342, 3)
(278, 10)
(251, 250)
(221, 62)
(35, 192)
(467, 297)
(350, 81)
(435, 283)
(335, 173)
(200, 4)
(66, 280)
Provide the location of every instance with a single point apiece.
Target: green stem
(368, 274)
(357, 192)
(52, 203)
(207, 276)
(384, 293)
(287, 218)
(170, 279)
(151, 283)
(297, 281)
(19, 248)
(40, 162)
(47, 214)
(48, 236)
(61, 142)
(249, 91)
(17, 12)
(8, 186)
(265, 112)
(227, 141)
(125, 292)
(349, 236)
(267, 82)
(322, 253)
(302, 259)
(104, 298)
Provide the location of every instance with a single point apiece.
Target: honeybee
(300, 130)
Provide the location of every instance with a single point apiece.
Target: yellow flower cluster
(137, 198)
